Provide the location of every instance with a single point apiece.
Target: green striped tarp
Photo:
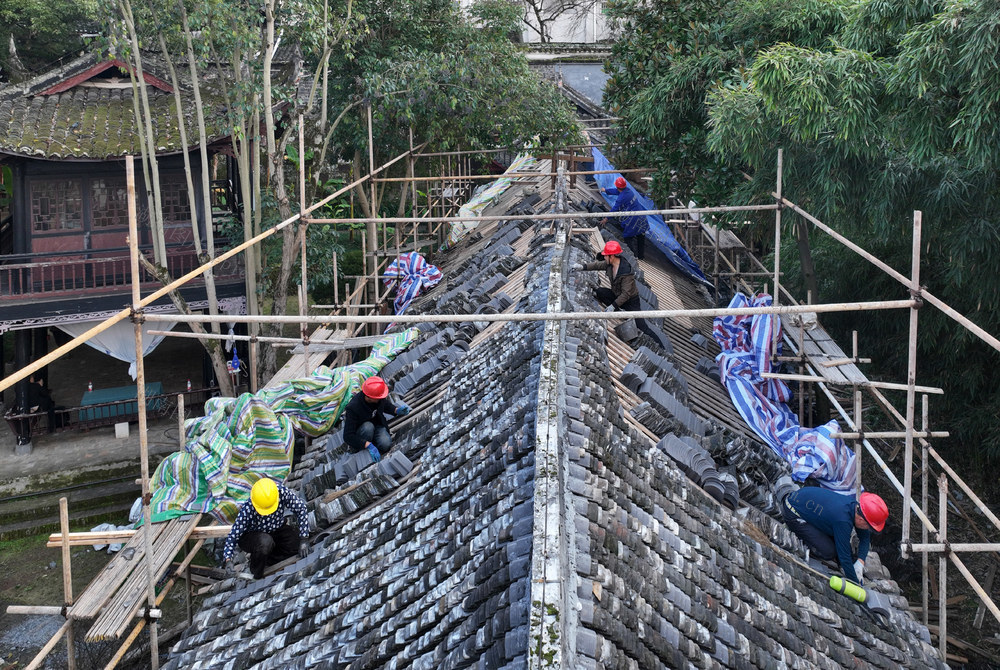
(240, 440)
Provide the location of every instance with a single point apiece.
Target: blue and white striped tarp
(746, 354)
(414, 274)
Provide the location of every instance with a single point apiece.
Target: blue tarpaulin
(762, 401)
(659, 232)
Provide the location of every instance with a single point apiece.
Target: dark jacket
(622, 284)
(359, 411)
(833, 514)
(626, 202)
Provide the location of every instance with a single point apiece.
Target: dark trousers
(820, 544)
(377, 435)
(606, 296)
(267, 549)
(637, 243)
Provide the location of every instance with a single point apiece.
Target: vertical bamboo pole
(943, 566)
(253, 359)
(133, 240)
(303, 231)
(911, 380)
(802, 370)
(67, 570)
(180, 419)
(372, 241)
(777, 249)
(923, 507)
(336, 281)
(413, 189)
(859, 446)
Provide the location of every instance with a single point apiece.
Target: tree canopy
(882, 107)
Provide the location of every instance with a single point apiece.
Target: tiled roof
(86, 122)
(528, 518)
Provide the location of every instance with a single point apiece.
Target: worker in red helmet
(623, 294)
(365, 425)
(824, 520)
(633, 227)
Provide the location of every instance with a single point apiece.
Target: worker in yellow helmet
(260, 528)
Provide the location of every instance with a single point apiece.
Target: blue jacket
(626, 202)
(833, 514)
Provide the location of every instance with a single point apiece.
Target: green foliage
(882, 107)
(454, 77)
(42, 31)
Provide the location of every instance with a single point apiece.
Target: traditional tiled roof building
(559, 497)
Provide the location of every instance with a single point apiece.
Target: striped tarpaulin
(746, 354)
(240, 440)
(413, 274)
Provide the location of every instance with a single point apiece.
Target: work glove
(403, 410)
(230, 569)
(303, 547)
(373, 450)
(610, 308)
(576, 267)
(859, 569)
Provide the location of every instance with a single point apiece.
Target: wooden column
(943, 566)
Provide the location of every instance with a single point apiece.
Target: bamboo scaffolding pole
(858, 447)
(536, 316)
(887, 434)
(925, 295)
(326, 345)
(133, 234)
(183, 567)
(777, 246)
(44, 610)
(36, 662)
(180, 420)
(942, 565)
(30, 369)
(540, 151)
(84, 538)
(866, 384)
(970, 579)
(462, 178)
(963, 547)
(911, 379)
(304, 277)
(67, 574)
(924, 601)
(554, 215)
(976, 500)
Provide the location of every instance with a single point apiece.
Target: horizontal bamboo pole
(541, 152)
(45, 610)
(36, 662)
(864, 384)
(332, 344)
(115, 536)
(552, 215)
(509, 175)
(534, 316)
(890, 434)
(937, 547)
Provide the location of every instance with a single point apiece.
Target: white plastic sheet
(118, 341)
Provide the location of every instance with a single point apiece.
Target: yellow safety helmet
(264, 496)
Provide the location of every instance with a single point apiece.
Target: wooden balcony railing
(21, 277)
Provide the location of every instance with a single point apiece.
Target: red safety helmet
(620, 183)
(375, 388)
(612, 248)
(874, 510)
